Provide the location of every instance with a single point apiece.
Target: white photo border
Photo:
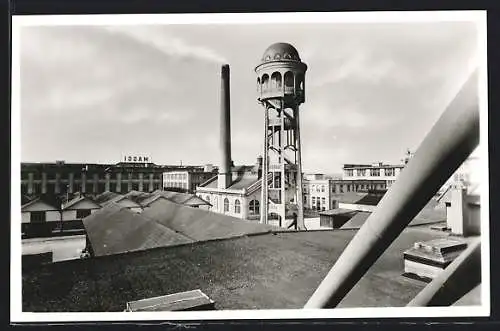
(479, 17)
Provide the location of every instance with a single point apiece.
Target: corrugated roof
(176, 197)
(137, 194)
(244, 182)
(76, 200)
(239, 182)
(200, 224)
(73, 201)
(50, 200)
(105, 196)
(25, 199)
(115, 229)
(212, 183)
(148, 200)
(271, 271)
(211, 179)
(183, 198)
(118, 199)
(145, 198)
(196, 201)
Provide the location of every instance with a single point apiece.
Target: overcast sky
(94, 94)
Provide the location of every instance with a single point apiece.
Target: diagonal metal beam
(451, 140)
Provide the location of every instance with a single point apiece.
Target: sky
(97, 93)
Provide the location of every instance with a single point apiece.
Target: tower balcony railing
(279, 166)
(271, 92)
(275, 121)
(279, 91)
(275, 166)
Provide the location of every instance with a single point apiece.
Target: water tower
(281, 89)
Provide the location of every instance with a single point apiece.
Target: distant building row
(48, 213)
(92, 179)
(242, 198)
(376, 171)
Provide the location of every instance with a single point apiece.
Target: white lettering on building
(136, 159)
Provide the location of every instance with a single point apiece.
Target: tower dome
(281, 52)
(281, 73)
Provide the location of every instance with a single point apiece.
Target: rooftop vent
(182, 301)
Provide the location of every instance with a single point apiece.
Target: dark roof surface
(76, 200)
(105, 196)
(263, 271)
(117, 199)
(115, 229)
(73, 201)
(25, 199)
(432, 213)
(337, 211)
(137, 196)
(356, 221)
(239, 182)
(49, 199)
(144, 199)
(360, 198)
(196, 201)
(280, 52)
(199, 224)
(176, 197)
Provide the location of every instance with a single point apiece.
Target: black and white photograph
(273, 165)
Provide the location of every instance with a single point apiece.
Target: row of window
(176, 184)
(41, 216)
(315, 188)
(373, 172)
(174, 176)
(90, 188)
(341, 188)
(276, 81)
(357, 187)
(253, 206)
(318, 203)
(93, 177)
(237, 206)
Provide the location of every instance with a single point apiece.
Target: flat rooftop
(263, 271)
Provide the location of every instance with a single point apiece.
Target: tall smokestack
(224, 179)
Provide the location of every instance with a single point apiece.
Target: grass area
(263, 271)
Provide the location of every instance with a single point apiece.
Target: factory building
(187, 180)
(40, 210)
(78, 208)
(62, 178)
(375, 171)
(321, 193)
(241, 198)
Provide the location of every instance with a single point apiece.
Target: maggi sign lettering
(137, 159)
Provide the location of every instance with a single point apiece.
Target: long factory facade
(61, 178)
